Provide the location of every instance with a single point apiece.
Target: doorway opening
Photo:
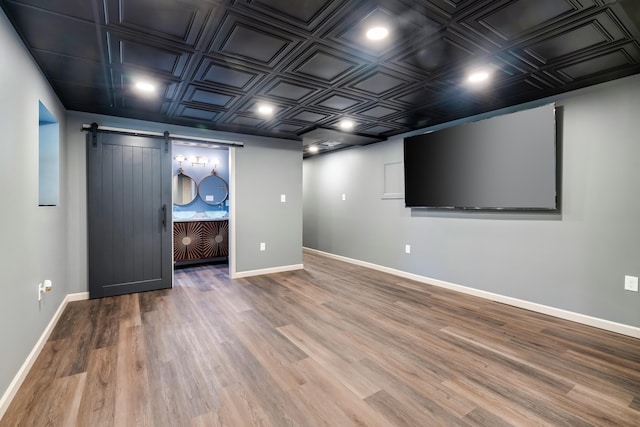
(201, 203)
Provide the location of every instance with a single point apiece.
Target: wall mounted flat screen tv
(506, 162)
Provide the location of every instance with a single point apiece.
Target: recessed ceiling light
(145, 86)
(377, 33)
(313, 149)
(478, 77)
(346, 124)
(265, 109)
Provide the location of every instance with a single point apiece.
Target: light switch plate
(283, 198)
(263, 246)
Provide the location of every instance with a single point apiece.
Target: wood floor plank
(269, 357)
(348, 374)
(355, 409)
(243, 408)
(132, 380)
(334, 344)
(254, 382)
(97, 406)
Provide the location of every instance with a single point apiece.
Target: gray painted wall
(51, 242)
(33, 238)
(264, 169)
(574, 261)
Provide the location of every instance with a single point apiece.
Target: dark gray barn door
(129, 193)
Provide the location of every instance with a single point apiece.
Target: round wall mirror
(213, 190)
(184, 188)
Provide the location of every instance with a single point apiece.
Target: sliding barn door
(129, 209)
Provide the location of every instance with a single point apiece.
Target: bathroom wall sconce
(198, 161)
(195, 160)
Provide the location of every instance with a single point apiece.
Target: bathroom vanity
(200, 239)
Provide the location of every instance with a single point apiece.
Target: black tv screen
(505, 162)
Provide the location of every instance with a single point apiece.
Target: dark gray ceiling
(215, 60)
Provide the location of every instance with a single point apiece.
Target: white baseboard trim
(17, 381)
(607, 325)
(242, 274)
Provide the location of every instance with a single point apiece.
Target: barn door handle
(164, 216)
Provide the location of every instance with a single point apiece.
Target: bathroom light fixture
(179, 158)
(313, 149)
(377, 33)
(198, 161)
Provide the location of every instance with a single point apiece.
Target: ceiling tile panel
(245, 121)
(158, 59)
(85, 98)
(339, 102)
(445, 51)
(287, 127)
(227, 74)
(597, 31)
(205, 96)
(253, 44)
(252, 40)
(322, 65)
(197, 113)
(520, 16)
(378, 130)
(180, 21)
(73, 70)
(419, 95)
(130, 101)
(564, 44)
(378, 112)
(379, 82)
(307, 14)
(417, 119)
(448, 7)
(56, 33)
(310, 116)
(603, 63)
(289, 90)
(82, 9)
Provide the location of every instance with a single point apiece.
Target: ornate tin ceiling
(214, 61)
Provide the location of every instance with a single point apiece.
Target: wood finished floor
(331, 345)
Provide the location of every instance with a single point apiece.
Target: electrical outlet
(263, 246)
(631, 283)
(407, 249)
(283, 198)
(44, 287)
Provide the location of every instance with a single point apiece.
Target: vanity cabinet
(200, 240)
